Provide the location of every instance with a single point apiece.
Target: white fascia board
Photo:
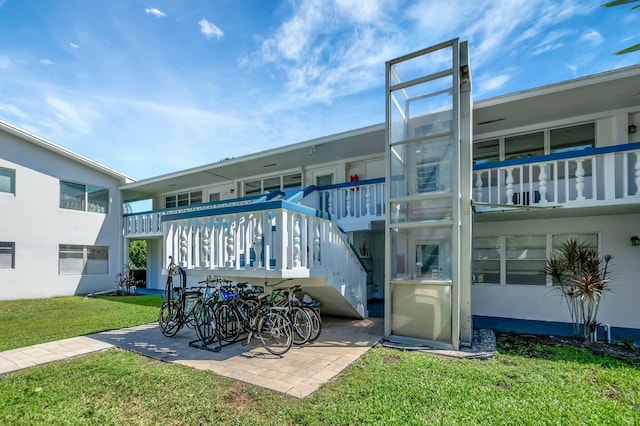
(60, 150)
(559, 87)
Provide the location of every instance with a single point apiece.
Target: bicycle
(185, 306)
(305, 314)
(269, 324)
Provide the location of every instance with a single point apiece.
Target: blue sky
(151, 87)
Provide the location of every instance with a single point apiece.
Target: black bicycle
(185, 306)
(269, 324)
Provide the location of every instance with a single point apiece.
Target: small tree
(582, 276)
(138, 254)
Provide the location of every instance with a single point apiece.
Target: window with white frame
(83, 260)
(272, 183)
(183, 199)
(77, 196)
(7, 180)
(561, 139)
(7, 255)
(518, 259)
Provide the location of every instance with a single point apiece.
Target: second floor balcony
(586, 178)
(596, 177)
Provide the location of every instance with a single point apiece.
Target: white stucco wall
(33, 220)
(618, 307)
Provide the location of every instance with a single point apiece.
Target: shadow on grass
(140, 300)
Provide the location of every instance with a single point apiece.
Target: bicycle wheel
(206, 326)
(275, 332)
(169, 318)
(228, 321)
(301, 323)
(316, 323)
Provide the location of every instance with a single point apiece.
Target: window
(518, 259)
(214, 197)
(527, 145)
(272, 183)
(76, 196)
(572, 138)
(7, 180)
(487, 252)
(7, 255)
(525, 259)
(183, 199)
(563, 139)
(83, 260)
(486, 151)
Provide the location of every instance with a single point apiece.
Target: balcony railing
(149, 224)
(353, 205)
(275, 238)
(589, 177)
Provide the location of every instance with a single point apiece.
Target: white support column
(479, 186)
(296, 241)
(509, 183)
(283, 239)
(258, 239)
(230, 243)
(206, 246)
(184, 246)
(542, 183)
(580, 179)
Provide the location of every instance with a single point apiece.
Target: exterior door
(428, 223)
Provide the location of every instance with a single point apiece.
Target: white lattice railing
(149, 224)
(350, 203)
(589, 177)
(271, 236)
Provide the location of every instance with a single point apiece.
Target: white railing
(589, 177)
(351, 203)
(276, 236)
(148, 224)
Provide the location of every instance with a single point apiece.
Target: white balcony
(149, 224)
(591, 177)
(272, 239)
(353, 205)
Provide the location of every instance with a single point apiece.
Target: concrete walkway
(299, 372)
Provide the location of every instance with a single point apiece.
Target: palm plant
(635, 47)
(582, 277)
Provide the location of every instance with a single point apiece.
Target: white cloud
(70, 115)
(331, 48)
(155, 12)
(4, 62)
(46, 62)
(592, 37)
(210, 30)
(14, 111)
(73, 45)
(493, 83)
(573, 69)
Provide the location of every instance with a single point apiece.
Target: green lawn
(28, 322)
(523, 385)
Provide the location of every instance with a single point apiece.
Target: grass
(523, 385)
(564, 386)
(28, 322)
